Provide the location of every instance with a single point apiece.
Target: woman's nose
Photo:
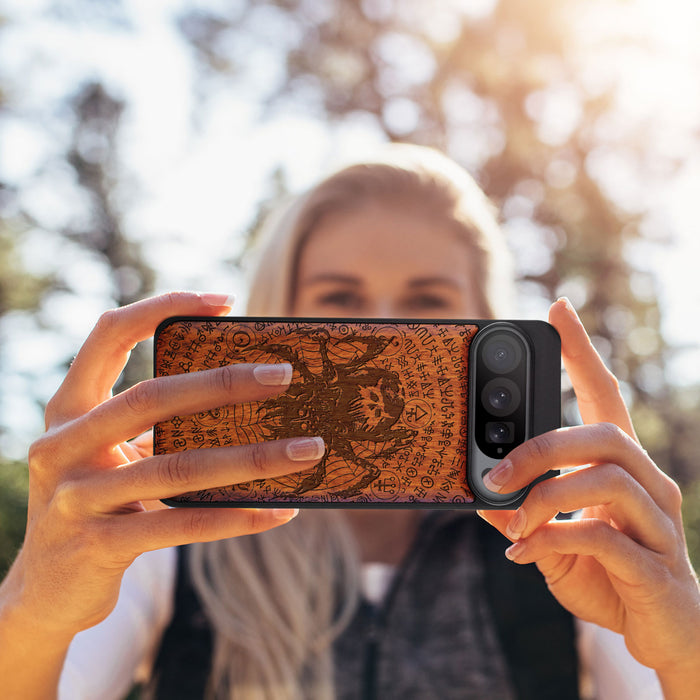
(382, 308)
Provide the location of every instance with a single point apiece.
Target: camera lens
(499, 432)
(502, 353)
(501, 396)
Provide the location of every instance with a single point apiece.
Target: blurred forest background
(580, 119)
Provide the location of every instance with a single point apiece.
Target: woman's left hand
(623, 564)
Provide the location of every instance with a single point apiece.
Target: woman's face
(385, 261)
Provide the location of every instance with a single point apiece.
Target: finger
(141, 406)
(605, 486)
(102, 357)
(156, 529)
(614, 550)
(138, 448)
(576, 446)
(166, 476)
(497, 518)
(143, 444)
(596, 388)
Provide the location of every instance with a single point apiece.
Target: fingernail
(515, 550)
(304, 449)
(517, 525)
(218, 299)
(569, 306)
(285, 514)
(498, 477)
(273, 375)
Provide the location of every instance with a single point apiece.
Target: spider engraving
(353, 405)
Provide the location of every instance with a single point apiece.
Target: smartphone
(413, 413)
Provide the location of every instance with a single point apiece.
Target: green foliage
(14, 484)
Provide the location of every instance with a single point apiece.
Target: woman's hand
(87, 515)
(623, 564)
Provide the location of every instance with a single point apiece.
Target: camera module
(505, 358)
(501, 397)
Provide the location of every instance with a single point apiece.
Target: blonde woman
(344, 604)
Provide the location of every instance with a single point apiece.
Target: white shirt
(104, 661)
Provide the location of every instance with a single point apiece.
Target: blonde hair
(277, 600)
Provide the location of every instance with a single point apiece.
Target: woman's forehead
(386, 237)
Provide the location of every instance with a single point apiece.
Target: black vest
(534, 634)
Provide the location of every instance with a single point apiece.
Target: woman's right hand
(87, 516)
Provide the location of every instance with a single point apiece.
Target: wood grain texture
(389, 400)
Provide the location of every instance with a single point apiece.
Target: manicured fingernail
(285, 514)
(273, 375)
(515, 550)
(517, 525)
(498, 476)
(569, 306)
(218, 299)
(304, 449)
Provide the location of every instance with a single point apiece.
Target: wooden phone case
(389, 398)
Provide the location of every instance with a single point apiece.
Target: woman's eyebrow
(434, 281)
(334, 278)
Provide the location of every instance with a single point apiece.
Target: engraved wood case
(389, 400)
